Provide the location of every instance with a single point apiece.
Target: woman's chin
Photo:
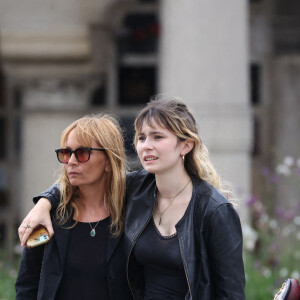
(74, 182)
(149, 169)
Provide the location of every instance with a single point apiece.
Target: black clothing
(209, 234)
(162, 264)
(42, 268)
(84, 271)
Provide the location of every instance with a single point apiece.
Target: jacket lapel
(62, 235)
(112, 243)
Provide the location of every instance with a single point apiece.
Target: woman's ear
(188, 145)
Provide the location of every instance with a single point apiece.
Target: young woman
(182, 237)
(83, 260)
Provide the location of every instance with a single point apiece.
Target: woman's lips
(149, 158)
(73, 173)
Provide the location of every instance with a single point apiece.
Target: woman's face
(159, 150)
(89, 173)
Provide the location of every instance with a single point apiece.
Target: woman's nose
(72, 159)
(147, 143)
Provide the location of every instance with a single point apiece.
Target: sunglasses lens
(82, 154)
(63, 155)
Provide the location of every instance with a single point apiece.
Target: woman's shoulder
(212, 208)
(139, 180)
(138, 175)
(208, 195)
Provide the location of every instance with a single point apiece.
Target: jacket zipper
(137, 238)
(187, 279)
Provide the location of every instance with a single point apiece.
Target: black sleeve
(28, 279)
(52, 194)
(226, 254)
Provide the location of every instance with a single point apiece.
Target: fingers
(21, 230)
(48, 225)
(25, 230)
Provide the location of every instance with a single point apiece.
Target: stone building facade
(62, 59)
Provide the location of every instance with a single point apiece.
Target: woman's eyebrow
(152, 132)
(156, 132)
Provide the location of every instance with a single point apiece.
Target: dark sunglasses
(82, 154)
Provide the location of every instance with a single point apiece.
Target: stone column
(204, 60)
(286, 125)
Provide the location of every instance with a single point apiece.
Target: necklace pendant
(159, 221)
(93, 232)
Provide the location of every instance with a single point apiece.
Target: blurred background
(235, 63)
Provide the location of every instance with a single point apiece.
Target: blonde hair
(174, 115)
(106, 131)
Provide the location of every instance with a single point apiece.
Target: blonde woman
(182, 237)
(83, 260)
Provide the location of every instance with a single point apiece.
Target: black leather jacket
(209, 234)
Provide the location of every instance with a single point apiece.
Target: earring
(183, 157)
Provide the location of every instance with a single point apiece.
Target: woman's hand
(39, 214)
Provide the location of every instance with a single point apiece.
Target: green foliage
(8, 275)
(258, 285)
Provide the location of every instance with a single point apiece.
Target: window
(137, 57)
(136, 84)
(255, 71)
(286, 27)
(99, 96)
(255, 84)
(139, 33)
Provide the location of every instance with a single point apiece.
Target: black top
(84, 270)
(162, 265)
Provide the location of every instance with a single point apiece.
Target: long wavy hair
(106, 131)
(174, 115)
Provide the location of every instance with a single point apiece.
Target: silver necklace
(172, 198)
(93, 229)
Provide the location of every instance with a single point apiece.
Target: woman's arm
(225, 250)
(52, 194)
(40, 213)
